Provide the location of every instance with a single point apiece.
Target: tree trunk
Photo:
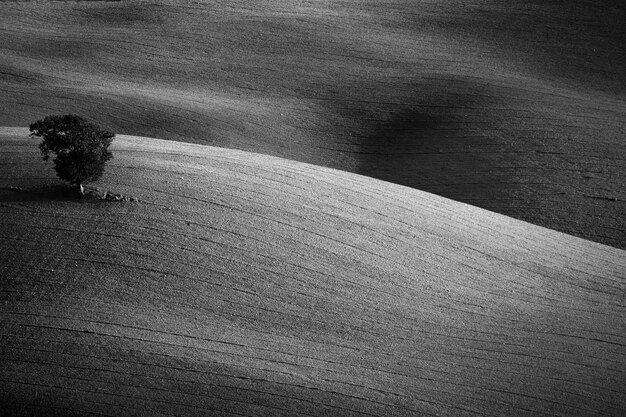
(81, 190)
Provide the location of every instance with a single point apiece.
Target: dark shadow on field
(124, 14)
(441, 141)
(423, 151)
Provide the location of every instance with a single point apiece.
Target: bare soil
(248, 285)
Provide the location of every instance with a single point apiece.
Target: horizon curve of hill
(515, 108)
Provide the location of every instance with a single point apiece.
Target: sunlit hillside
(243, 284)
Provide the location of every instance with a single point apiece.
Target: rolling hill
(242, 284)
(516, 108)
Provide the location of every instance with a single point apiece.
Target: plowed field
(248, 285)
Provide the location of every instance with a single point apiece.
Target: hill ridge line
(137, 143)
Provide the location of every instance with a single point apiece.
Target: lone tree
(81, 147)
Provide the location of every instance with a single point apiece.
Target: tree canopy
(81, 147)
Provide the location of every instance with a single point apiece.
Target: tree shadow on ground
(49, 193)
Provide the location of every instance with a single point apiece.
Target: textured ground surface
(517, 108)
(247, 285)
